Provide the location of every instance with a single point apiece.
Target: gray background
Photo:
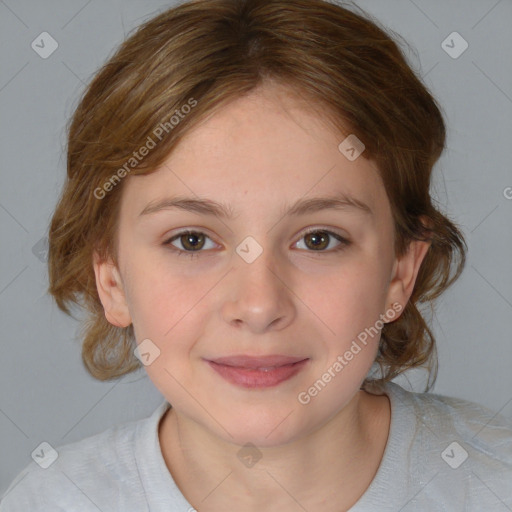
(46, 394)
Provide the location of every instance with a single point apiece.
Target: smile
(257, 372)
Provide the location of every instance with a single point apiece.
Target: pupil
(317, 239)
(192, 240)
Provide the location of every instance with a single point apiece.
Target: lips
(258, 362)
(258, 371)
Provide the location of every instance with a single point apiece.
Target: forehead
(266, 148)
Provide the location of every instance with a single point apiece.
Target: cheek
(351, 310)
(166, 307)
(350, 299)
(166, 310)
(155, 298)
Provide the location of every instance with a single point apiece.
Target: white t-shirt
(442, 454)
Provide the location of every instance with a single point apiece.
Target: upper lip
(243, 361)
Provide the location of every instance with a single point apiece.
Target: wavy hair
(214, 51)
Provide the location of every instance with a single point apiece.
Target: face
(265, 279)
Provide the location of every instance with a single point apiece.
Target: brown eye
(319, 240)
(192, 241)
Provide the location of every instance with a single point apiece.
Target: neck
(329, 468)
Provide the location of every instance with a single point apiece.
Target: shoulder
(85, 475)
(460, 449)
(80, 474)
(468, 421)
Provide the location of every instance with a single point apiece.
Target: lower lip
(249, 378)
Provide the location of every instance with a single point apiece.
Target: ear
(405, 272)
(111, 292)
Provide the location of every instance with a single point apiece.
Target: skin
(258, 155)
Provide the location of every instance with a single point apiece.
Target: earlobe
(111, 292)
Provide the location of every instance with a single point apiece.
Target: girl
(247, 215)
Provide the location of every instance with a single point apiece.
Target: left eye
(318, 238)
(193, 241)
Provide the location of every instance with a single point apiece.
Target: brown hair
(205, 53)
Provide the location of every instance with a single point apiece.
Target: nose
(258, 296)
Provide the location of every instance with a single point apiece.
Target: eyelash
(344, 243)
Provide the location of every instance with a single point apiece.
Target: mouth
(257, 372)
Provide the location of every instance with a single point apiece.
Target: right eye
(191, 241)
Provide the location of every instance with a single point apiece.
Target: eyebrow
(300, 207)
